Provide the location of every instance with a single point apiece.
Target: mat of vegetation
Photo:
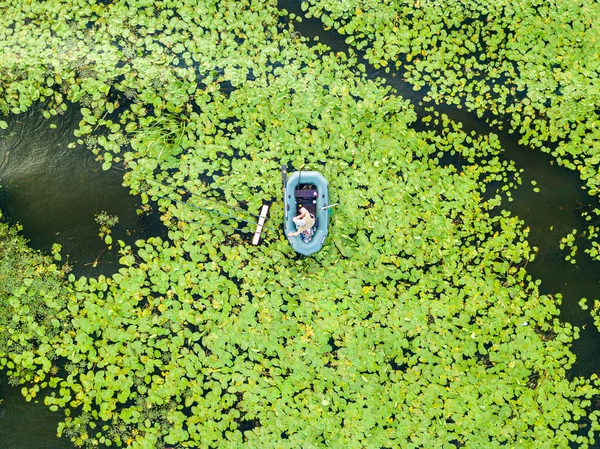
(417, 325)
(32, 287)
(529, 65)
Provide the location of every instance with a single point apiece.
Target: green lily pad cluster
(594, 251)
(591, 233)
(587, 239)
(416, 325)
(569, 242)
(529, 66)
(596, 313)
(499, 176)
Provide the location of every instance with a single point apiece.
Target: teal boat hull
(321, 201)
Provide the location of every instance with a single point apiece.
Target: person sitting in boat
(305, 223)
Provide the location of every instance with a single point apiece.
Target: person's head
(300, 206)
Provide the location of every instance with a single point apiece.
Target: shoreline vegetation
(417, 325)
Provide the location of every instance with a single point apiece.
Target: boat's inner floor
(307, 195)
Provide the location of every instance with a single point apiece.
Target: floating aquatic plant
(596, 313)
(529, 67)
(106, 222)
(33, 314)
(416, 325)
(568, 241)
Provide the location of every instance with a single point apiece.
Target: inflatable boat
(310, 190)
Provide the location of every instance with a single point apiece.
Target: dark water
(557, 206)
(551, 214)
(27, 425)
(55, 192)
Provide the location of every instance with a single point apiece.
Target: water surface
(27, 425)
(54, 192)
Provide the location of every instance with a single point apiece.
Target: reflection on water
(55, 192)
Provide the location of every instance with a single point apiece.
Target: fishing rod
(229, 228)
(267, 228)
(216, 225)
(328, 207)
(214, 200)
(194, 206)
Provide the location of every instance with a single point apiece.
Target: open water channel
(55, 192)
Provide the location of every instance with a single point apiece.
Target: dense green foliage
(530, 64)
(33, 302)
(417, 325)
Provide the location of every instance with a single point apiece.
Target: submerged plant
(33, 313)
(162, 137)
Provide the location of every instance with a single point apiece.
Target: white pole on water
(261, 222)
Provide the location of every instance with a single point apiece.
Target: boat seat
(306, 194)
